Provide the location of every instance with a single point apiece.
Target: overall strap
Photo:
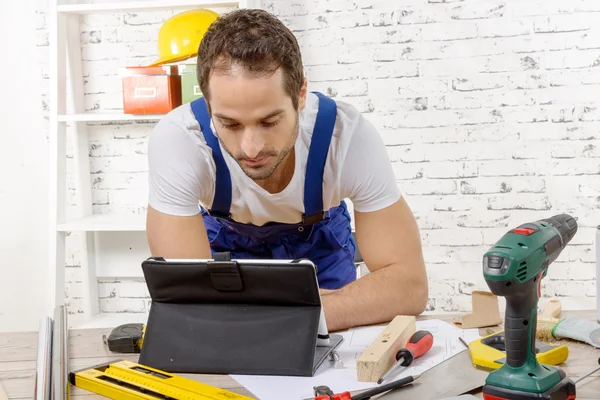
(317, 156)
(222, 200)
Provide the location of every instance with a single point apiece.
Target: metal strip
(44, 357)
(60, 359)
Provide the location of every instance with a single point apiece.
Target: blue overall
(323, 236)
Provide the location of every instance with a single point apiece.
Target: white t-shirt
(182, 170)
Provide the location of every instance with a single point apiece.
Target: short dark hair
(256, 40)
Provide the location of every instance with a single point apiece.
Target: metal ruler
(126, 380)
(452, 377)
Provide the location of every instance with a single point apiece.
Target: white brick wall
(489, 110)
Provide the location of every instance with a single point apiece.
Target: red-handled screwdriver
(418, 344)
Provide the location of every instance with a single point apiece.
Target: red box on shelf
(151, 90)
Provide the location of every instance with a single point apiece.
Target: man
(270, 164)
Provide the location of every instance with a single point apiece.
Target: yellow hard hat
(180, 36)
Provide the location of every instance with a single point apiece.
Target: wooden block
(552, 309)
(485, 311)
(380, 355)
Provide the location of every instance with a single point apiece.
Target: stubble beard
(265, 173)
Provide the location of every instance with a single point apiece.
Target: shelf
(109, 116)
(112, 320)
(106, 222)
(142, 6)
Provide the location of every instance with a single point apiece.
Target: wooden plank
(18, 346)
(380, 355)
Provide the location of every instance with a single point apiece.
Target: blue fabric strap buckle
(317, 157)
(222, 199)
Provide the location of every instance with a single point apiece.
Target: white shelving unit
(109, 241)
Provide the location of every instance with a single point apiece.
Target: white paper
(446, 343)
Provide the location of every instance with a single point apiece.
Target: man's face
(254, 118)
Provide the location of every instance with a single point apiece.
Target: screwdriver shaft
(392, 369)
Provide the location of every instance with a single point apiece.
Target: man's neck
(282, 175)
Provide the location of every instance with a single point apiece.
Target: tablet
(286, 281)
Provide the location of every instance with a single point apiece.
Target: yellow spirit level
(489, 352)
(126, 380)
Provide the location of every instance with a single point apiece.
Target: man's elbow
(418, 292)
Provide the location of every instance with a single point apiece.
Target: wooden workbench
(18, 362)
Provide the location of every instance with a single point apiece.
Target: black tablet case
(227, 317)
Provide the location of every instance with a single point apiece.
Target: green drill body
(513, 268)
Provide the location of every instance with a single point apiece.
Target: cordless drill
(514, 268)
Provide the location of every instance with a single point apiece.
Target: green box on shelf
(190, 90)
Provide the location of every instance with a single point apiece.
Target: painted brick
(585, 6)
(478, 82)
(382, 18)
(532, 8)
(418, 14)
(402, 34)
(490, 133)
(573, 59)
(118, 304)
(439, 255)
(453, 66)
(503, 185)
(454, 237)
(133, 163)
(407, 170)
(490, 219)
(292, 8)
(319, 6)
(450, 170)
(318, 55)
(521, 201)
(458, 203)
(479, 10)
(120, 180)
(441, 135)
(436, 220)
(303, 24)
(574, 167)
(429, 187)
(320, 38)
(505, 29)
(384, 54)
(396, 137)
(561, 23)
(408, 87)
(451, 30)
(512, 167)
(334, 72)
(387, 106)
(352, 56)
(528, 80)
(341, 88)
(515, 62)
(399, 69)
(443, 289)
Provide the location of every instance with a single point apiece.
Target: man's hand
(176, 237)
(390, 245)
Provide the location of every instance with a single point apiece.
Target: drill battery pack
(564, 390)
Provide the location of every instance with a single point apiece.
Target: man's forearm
(375, 298)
